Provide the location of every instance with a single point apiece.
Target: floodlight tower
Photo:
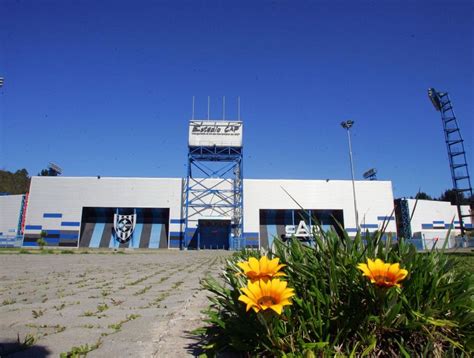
(455, 146)
(213, 190)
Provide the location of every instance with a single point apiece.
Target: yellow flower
(264, 269)
(383, 274)
(263, 295)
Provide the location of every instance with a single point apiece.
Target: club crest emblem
(124, 226)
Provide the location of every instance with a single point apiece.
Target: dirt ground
(109, 305)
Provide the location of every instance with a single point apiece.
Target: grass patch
(81, 351)
(8, 301)
(68, 252)
(142, 291)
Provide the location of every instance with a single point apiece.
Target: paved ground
(115, 305)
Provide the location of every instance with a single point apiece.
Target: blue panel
(113, 243)
(174, 243)
(97, 234)
(155, 236)
(53, 232)
(426, 226)
(250, 235)
(351, 229)
(52, 242)
(176, 233)
(137, 234)
(52, 215)
(385, 218)
(468, 226)
(33, 227)
(70, 223)
(271, 229)
(177, 221)
(369, 226)
(441, 222)
(30, 244)
(69, 236)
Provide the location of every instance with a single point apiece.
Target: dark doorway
(214, 234)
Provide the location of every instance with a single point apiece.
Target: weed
(142, 291)
(81, 351)
(37, 313)
(102, 307)
(88, 314)
(177, 284)
(116, 302)
(105, 293)
(67, 252)
(60, 307)
(9, 301)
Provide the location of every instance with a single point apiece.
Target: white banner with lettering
(215, 133)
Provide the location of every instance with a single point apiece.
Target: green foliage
(81, 351)
(14, 183)
(41, 241)
(336, 310)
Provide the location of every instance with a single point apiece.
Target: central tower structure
(213, 190)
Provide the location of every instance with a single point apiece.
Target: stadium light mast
(347, 125)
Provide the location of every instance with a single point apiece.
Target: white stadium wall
(10, 215)
(75, 211)
(432, 221)
(270, 201)
(57, 204)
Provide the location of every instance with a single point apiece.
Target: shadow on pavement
(16, 349)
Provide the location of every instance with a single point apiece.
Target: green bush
(338, 311)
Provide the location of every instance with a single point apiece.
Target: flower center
(266, 301)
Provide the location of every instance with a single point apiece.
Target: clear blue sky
(105, 87)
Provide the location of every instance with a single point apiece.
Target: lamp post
(347, 125)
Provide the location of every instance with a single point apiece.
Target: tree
(450, 195)
(14, 183)
(423, 196)
(47, 173)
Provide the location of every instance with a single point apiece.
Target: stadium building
(213, 207)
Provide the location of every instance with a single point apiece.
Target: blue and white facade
(79, 211)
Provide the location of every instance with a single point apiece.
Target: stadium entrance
(214, 234)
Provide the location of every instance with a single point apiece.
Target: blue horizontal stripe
(53, 232)
(70, 223)
(177, 221)
(30, 244)
(69, 236)
(33, 227)
(175, 233)
(251, 235)
(385, 218)
(52, 215)
(426, 226)
(369, 226)
(351, 229)
(439, 222)
(468, 226)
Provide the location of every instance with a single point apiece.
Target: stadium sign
(215, 133)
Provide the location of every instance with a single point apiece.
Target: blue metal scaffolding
(214, 189)
(455, 146)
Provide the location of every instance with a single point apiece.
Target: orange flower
(383, 274)
(263, 269)
(263, 295)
